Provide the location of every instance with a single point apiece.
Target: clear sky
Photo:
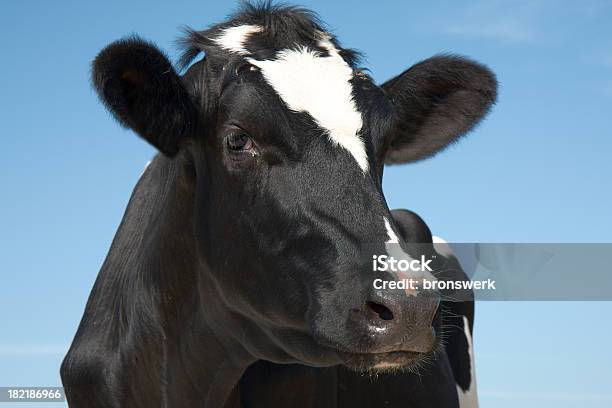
(537, 170)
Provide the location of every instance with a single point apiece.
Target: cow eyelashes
(239, 142)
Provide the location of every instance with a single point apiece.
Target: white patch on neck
(233, 38)
(468, 398)
(146, 166)
(319, 85)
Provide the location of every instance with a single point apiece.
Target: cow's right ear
(138, 84)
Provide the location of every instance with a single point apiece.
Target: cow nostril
(382, 311)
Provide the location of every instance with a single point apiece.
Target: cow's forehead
(314, 80)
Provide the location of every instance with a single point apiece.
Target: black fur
(243, 278)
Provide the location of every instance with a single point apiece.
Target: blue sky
(537, 170)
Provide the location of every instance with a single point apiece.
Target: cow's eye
(239, 142)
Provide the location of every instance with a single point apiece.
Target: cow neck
(199, 362)
(147, 300)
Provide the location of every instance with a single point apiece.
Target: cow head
(284, 140)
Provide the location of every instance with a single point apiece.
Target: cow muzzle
(396, 321)
(386, 329)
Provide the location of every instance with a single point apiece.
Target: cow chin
(373, 358)
(301, 347)
(392, 361)
(384, 361)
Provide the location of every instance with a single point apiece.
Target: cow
(239, 274)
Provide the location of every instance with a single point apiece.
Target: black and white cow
(236, 278)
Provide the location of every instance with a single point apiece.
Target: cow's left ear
(138, 84)
(434, 103)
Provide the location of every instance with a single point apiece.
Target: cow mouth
(387, 361)
(391, 359)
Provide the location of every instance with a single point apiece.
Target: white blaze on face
(319, 85)
(394, 249)
(393, 239)
(233, 38)
(468, 398)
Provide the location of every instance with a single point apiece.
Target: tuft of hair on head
(280, 23)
